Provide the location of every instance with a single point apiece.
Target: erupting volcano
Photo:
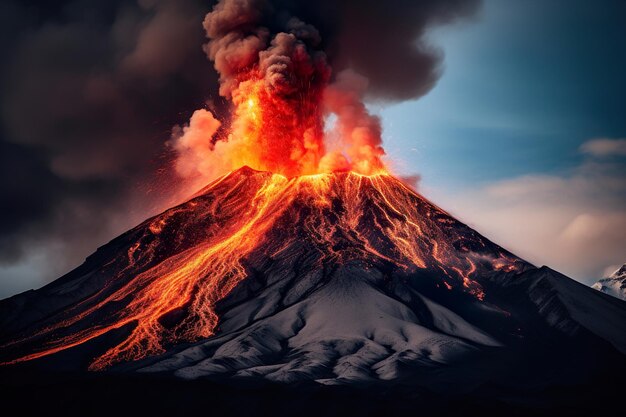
(304, 258)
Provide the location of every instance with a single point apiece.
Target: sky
(523, 136)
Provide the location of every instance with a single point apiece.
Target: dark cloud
(89, 91)
(382, 40)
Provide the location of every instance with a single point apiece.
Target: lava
(343, 217)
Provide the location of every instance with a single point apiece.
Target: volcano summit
(335, 278)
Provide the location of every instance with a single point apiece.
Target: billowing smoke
(89, 91)
(289, 68)
(275, 82)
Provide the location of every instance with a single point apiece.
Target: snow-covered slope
(614, 284)
(349, 328)
(335, 278)
(346, 329)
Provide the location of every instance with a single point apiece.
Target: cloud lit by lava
(283, 88)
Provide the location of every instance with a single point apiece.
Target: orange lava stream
(211, 270)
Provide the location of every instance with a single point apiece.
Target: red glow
(284, 134)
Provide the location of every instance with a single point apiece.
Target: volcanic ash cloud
(275, 73)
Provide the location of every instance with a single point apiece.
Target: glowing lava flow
(342, 217)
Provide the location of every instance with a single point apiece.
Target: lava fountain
(282, 99)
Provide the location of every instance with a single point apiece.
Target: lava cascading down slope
(166, 293)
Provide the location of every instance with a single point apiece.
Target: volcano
(334, 278)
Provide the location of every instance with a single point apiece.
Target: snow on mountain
(349, 330)
(345, 330)
(614, 284)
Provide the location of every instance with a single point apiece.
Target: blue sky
(524, 85)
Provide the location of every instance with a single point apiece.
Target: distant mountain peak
(614, 284)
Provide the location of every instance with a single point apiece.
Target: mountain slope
(335, 278)
(354, 327)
